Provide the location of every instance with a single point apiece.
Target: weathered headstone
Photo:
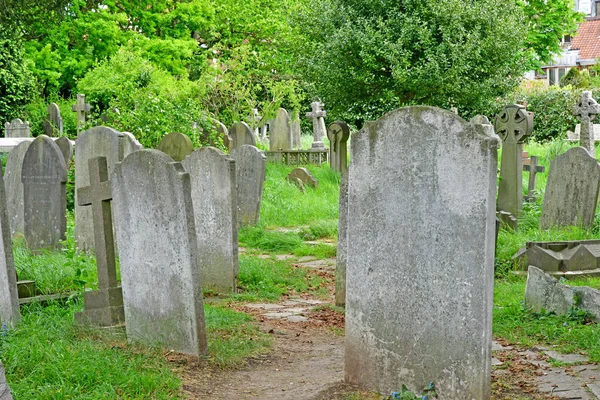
(81, 108)
(586, 110)
(420, 267)
(103, 307)
(533, 169)
(250, 165)
(44, 177)
(223, 133)
(280, 137)
(512, 125)
(99, 141)
(66, 148)
(14, 188)
(53, 124)
(176, 145)
(131, 144)
(296, 139)
(318, 119)
(341, 258)
(4, 389)
(9, 298)
(302, 177)
(212, 176)
(571, 190)
(154, 220)
(16, 128)
(241, 134)
(338, 134)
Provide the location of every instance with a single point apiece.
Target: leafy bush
(16, 83)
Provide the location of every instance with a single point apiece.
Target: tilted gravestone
(302, 177)
(586, 110)
(338, 134)
(103, 307)
(99, 141)
(512, 125)
(14, 188)
(154, 221)
(44, 177)
(420, 267)
(53, 124)
(66, 148)
(241, 134)
(571, 190)
(280, 137)
(533, 168)
(212, 176)
(176, 145)
(296, 139)
(4, 389)
(9, 298)
(250, 166)
(81, 108)
(318, 119)
(17, 128)
(341, 257)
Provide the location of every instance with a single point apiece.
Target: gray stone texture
(302, 177)
(53, 125)
(420, 269)
(212, 176)
(99, 141)
(586, 110)
(250, 166)
(342, 246)
(566, 256)
(176, 145)
(66, 148)
(131, 144)
(241, 134)
(280, 137)
(44, 177)
(9, 298)
(571, 190)
(14, 188)
(154, 220)
(512, 125)
(338, 134)
(545, 292)
(4, 389)
(16, 128)
(296, 139)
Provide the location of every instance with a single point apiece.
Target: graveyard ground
(280, 337)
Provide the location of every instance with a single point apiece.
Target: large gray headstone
(250, 166)
(154, 220)
(53, 124)
(16, 128)
(571, 190)
(341, 258)
(14, 188)
(9, 298)
(338, 134)
(4, 389)
(280, 137)
(44, 177)
(420, 269)
(212, 176)
(99, 141)
(241, 134)
(177, 145)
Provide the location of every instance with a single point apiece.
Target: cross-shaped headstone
(81, 108)
(318, 118)
(533, 169)
(586, 110)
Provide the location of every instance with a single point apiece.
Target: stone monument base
(103, 307)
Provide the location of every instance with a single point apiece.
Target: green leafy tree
(16, 84)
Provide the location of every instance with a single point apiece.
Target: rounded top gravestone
(280, 137)
(241, 134)
(177, 145)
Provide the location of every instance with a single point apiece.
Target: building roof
(587, 40)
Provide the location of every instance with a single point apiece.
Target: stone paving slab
(567, 358)
(266, 306)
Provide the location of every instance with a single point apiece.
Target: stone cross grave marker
(81, 108)
(154, 220)
(103, 307)
(250, 166)
(318, 119)
(212, 176)
(44, 177)
(14, 188)
(422, 253)
(533, 169)
(572, 190)
(586, 110)
(9, 298)
(280, 137)
(338, 134)
(512, 125)
(17, 128)
(177, 145)
(241, 134)
(53, 124)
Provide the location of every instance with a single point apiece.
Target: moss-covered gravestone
(177, 145)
